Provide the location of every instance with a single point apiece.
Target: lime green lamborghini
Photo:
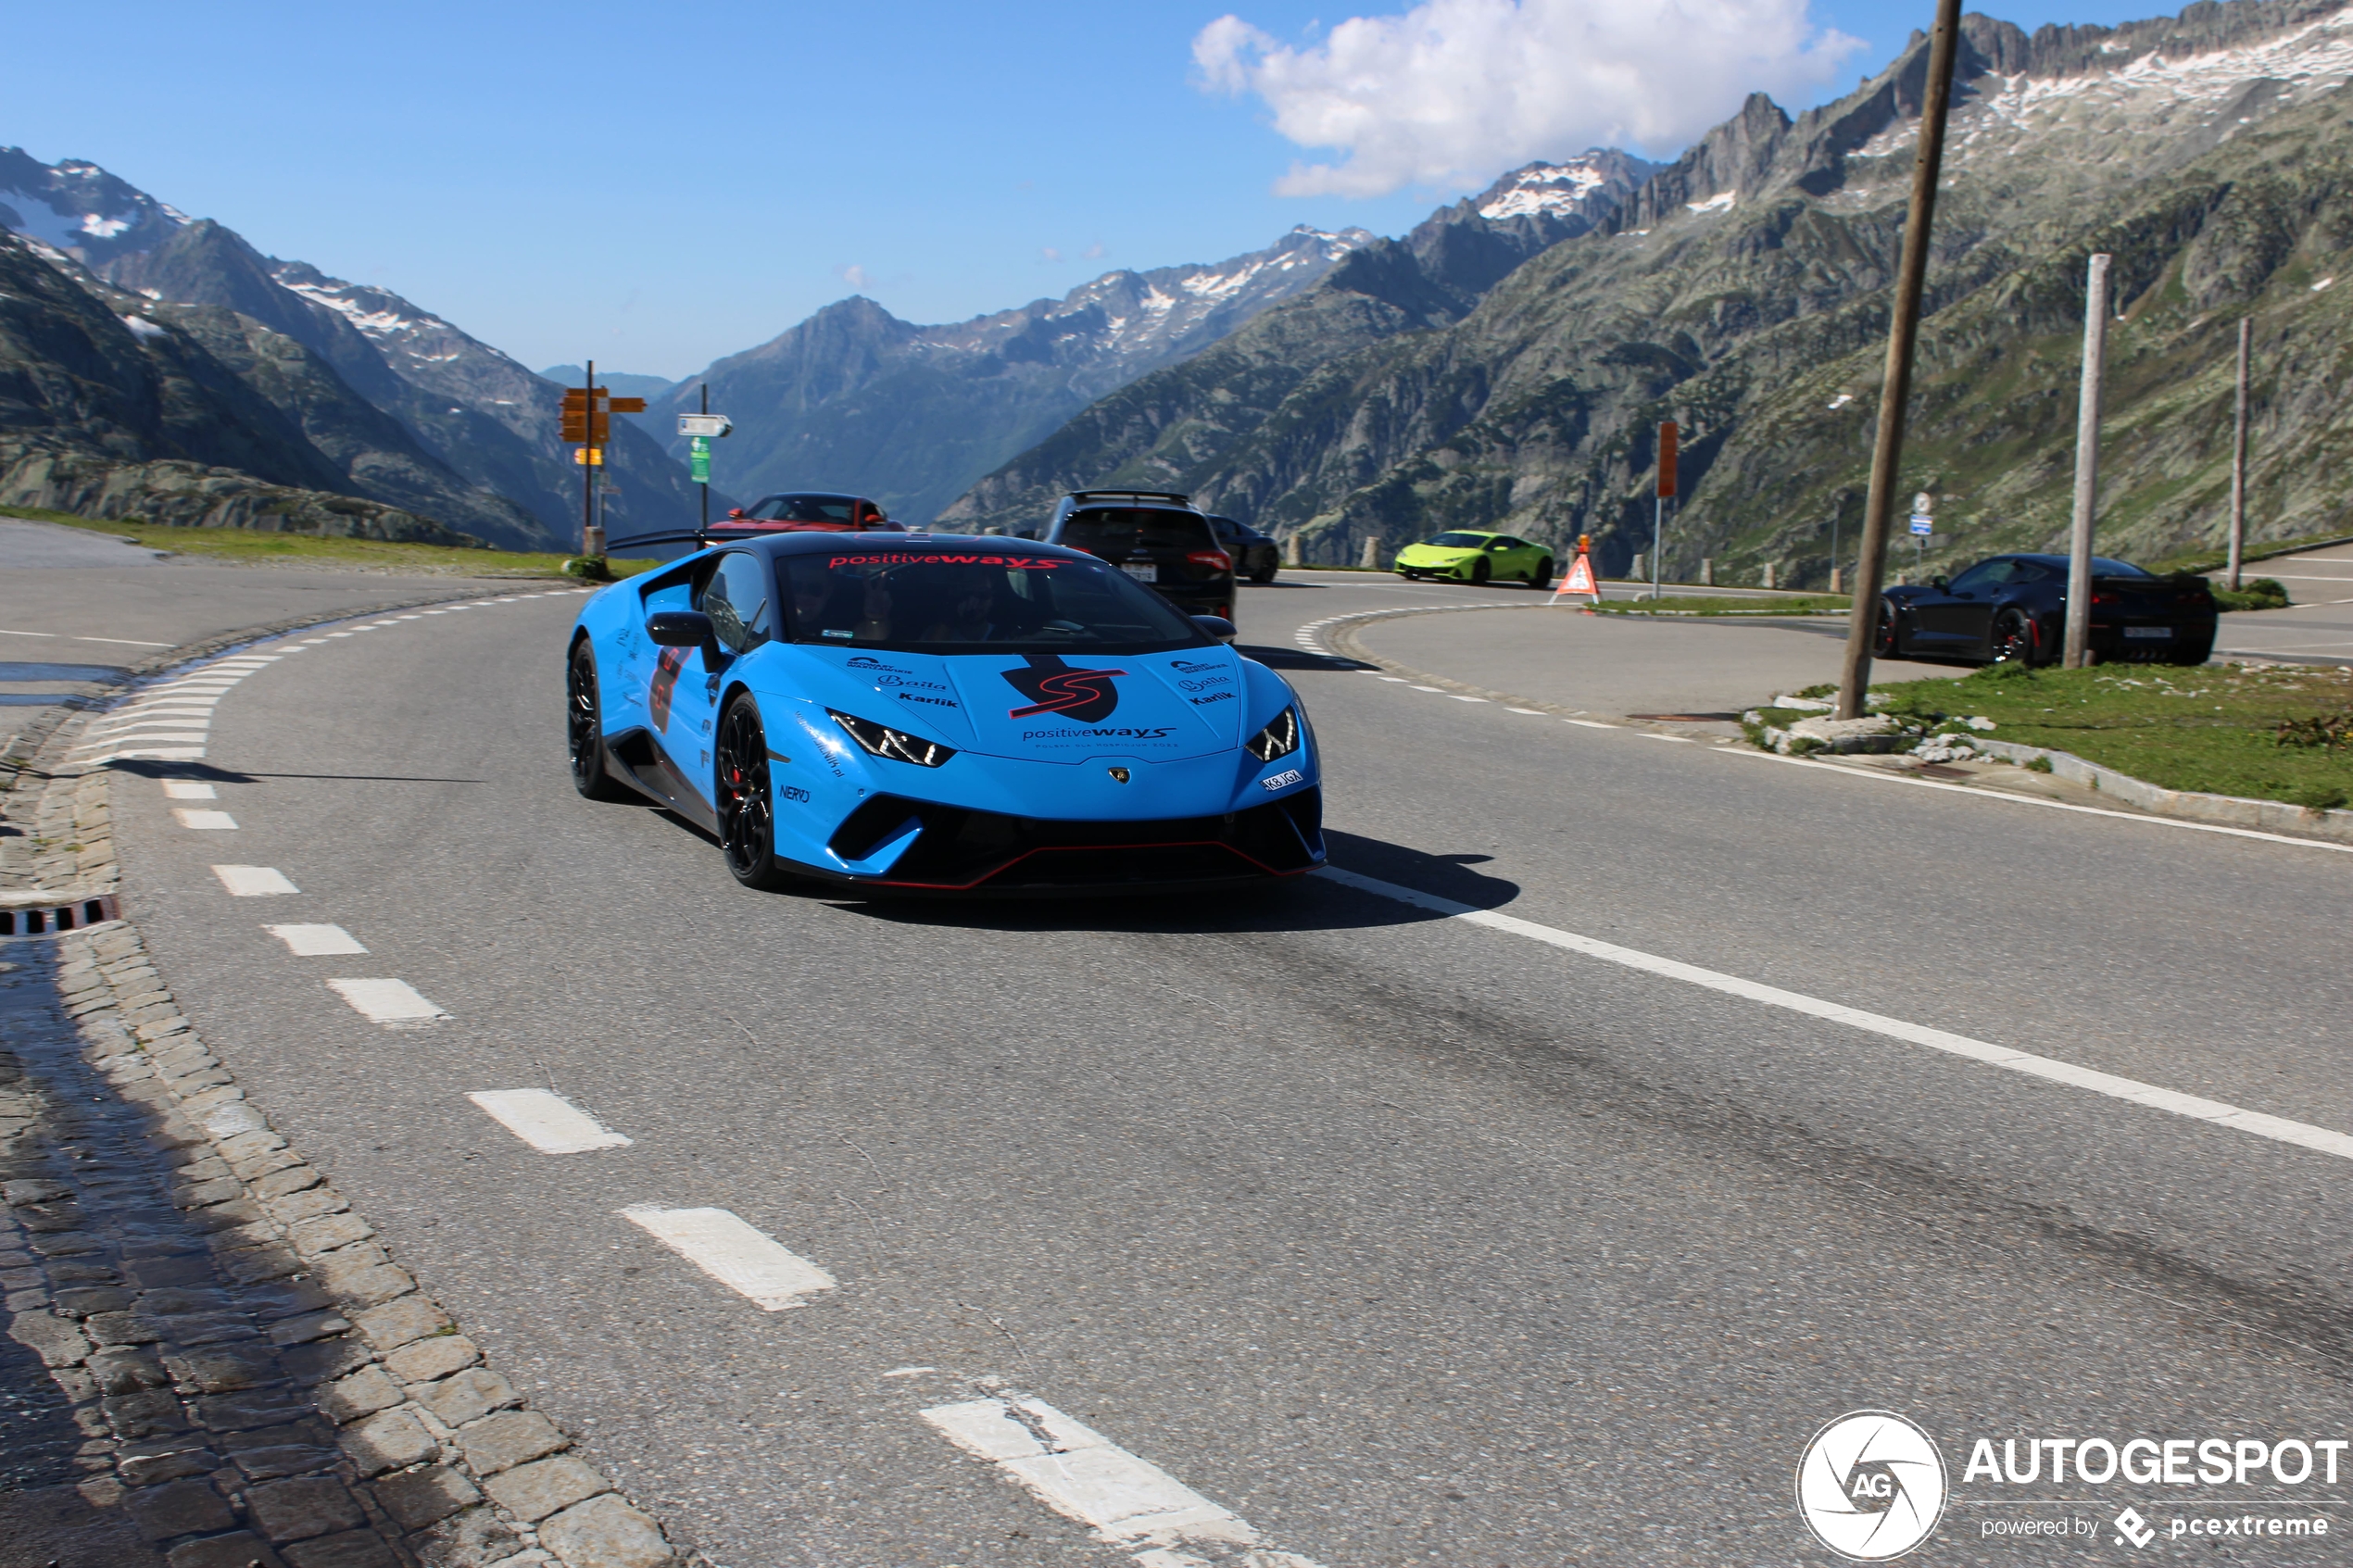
(1476, 558)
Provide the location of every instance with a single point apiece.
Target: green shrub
(2038, 765)
(2317, 797)
(2263, 593)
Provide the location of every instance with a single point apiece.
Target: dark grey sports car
(2014, 607)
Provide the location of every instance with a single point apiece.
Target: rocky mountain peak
(78, 208)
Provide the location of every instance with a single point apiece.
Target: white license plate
(2151, 632)
(1143, 571)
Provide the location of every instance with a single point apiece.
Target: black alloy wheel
(584, 728)
(747, 803)
(1542, 578)
(2013, 638)
(1266, 572)
(1479, 571)
(1883, 638)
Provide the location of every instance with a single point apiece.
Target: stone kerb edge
(426, 1427)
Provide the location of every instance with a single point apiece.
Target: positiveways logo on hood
(1871, 1485)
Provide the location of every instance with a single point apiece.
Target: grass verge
(248, 547)
(2214, 728)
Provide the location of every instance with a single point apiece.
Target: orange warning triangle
(1580, 579)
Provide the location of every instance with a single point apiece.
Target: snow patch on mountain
(1556, 188)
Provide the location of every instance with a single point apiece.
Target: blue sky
(657, 187)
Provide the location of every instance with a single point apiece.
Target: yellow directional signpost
(588, 424)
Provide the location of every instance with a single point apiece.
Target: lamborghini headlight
(881, 740)
(1277, 739)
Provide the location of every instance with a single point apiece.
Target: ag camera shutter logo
(1872, 1486)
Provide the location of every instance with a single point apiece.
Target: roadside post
(2238, 457)
(1896, 390)
(700, 431)
(2087, 464)
(1923, 527)
(1667, 434)
(1579, 578)
(588, 424)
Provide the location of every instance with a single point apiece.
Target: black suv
(1160, 540)
(1256, 555)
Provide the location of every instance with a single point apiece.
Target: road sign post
(700, 431)
(1895, 391)
(1667, 439)
(588, 423)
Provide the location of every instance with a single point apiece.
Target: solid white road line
(2301, 1133)
(386, 1002)
(546, 1121)
(730, 1252)
(196, 817)
(1081, 1475)
(188, 789)
(315, 941)
(2003, 795)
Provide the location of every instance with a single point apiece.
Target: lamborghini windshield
(954, 601)
(1459, 541)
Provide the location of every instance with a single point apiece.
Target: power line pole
(1667, 439)
(704, 484)
(2238, 456)
(1887, 452)
(2087, 463)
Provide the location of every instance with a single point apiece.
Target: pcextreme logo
(1872, 1486)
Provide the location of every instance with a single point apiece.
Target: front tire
(1883, 640)
(2014, 639)
(1542, 578)
(1480, 572)
(584, 728)
(744, 798)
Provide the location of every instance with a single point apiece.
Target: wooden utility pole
(1667, 444)
(2087, 464)
(2238, 457)
(1887, 452)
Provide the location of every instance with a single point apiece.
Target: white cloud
(1096, 252)
(1050, 254)
(1454, 92)
(857, 277)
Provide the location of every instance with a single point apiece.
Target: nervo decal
(666, 669)
(1054, 687)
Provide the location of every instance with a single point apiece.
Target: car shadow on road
(1308, 903)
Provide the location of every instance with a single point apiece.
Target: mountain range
(401, 408)
(853, 398)
(1743, 290)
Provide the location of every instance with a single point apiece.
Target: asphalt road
(80, 609)
(2317, 628)
(1403, 1238)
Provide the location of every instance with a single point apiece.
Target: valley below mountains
(1743, 291)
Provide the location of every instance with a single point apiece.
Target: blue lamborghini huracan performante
(940, 714)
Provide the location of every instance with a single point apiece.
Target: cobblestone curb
(254, 1379)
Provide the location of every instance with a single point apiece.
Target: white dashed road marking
(315, 941)
(386, 1002)
(188, 789)
(254, 882)
(195, 817)
(745, 1261)
(548, 1122)
(2301, 1133)
(1081, 1475)
(1646, 734)
(1591, 724)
